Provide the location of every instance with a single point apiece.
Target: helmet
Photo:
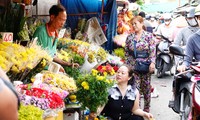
(167, 16)
(190, 12)
(197, 10)
(148, 17)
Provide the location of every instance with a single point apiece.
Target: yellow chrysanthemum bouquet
(92, 91)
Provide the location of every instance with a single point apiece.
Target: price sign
(7, 36)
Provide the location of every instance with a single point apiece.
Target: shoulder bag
(141, 66)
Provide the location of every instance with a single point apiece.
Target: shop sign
(7, 36)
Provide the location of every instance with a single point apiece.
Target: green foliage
(120, 52)
(78, 59)
(10, 19)
(23, 33)
(101, 117)
(72, 72)
(140, 2)
(92, 91)
(30, 112)
(33, 26)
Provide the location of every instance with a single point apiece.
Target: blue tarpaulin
(90, 6)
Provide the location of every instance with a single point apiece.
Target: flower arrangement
(77, 46)
(41, 103)
(72, 72)
(58, 80)
(92, 91)
(105, 70)
(54, 100)
(30, 112)
(62, 93)
(17, 58)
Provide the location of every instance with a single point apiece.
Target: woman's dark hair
(56, 9)
(130, 74)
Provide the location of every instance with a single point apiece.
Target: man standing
(48, 34)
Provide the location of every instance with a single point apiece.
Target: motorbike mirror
(176, 50)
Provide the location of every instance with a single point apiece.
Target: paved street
(159, 105)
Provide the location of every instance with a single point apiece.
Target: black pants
(132, 117)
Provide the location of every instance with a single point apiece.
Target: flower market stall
(53, 92)
(46, 93)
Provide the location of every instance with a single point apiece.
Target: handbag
(141, 66)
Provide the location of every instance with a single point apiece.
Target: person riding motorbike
(192, 49)
(166, 28)
(183, 35)
(164, 60)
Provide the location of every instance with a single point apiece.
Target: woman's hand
(152, 67)
(148, 115)
(76, 65)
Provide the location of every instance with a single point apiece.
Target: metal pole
(102, 9)
(37, 9)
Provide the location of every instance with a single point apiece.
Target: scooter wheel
(161, 70)
(159, 73)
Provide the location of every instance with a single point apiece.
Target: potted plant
(92, 91)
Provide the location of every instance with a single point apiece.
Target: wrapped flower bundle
(61, 81)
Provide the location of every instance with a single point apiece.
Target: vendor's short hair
(56, 9)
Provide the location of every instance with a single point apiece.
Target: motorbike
(164, 60)
(195, 113)
(183, 88)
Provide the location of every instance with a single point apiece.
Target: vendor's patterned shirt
(145, 43)
(119, 107)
